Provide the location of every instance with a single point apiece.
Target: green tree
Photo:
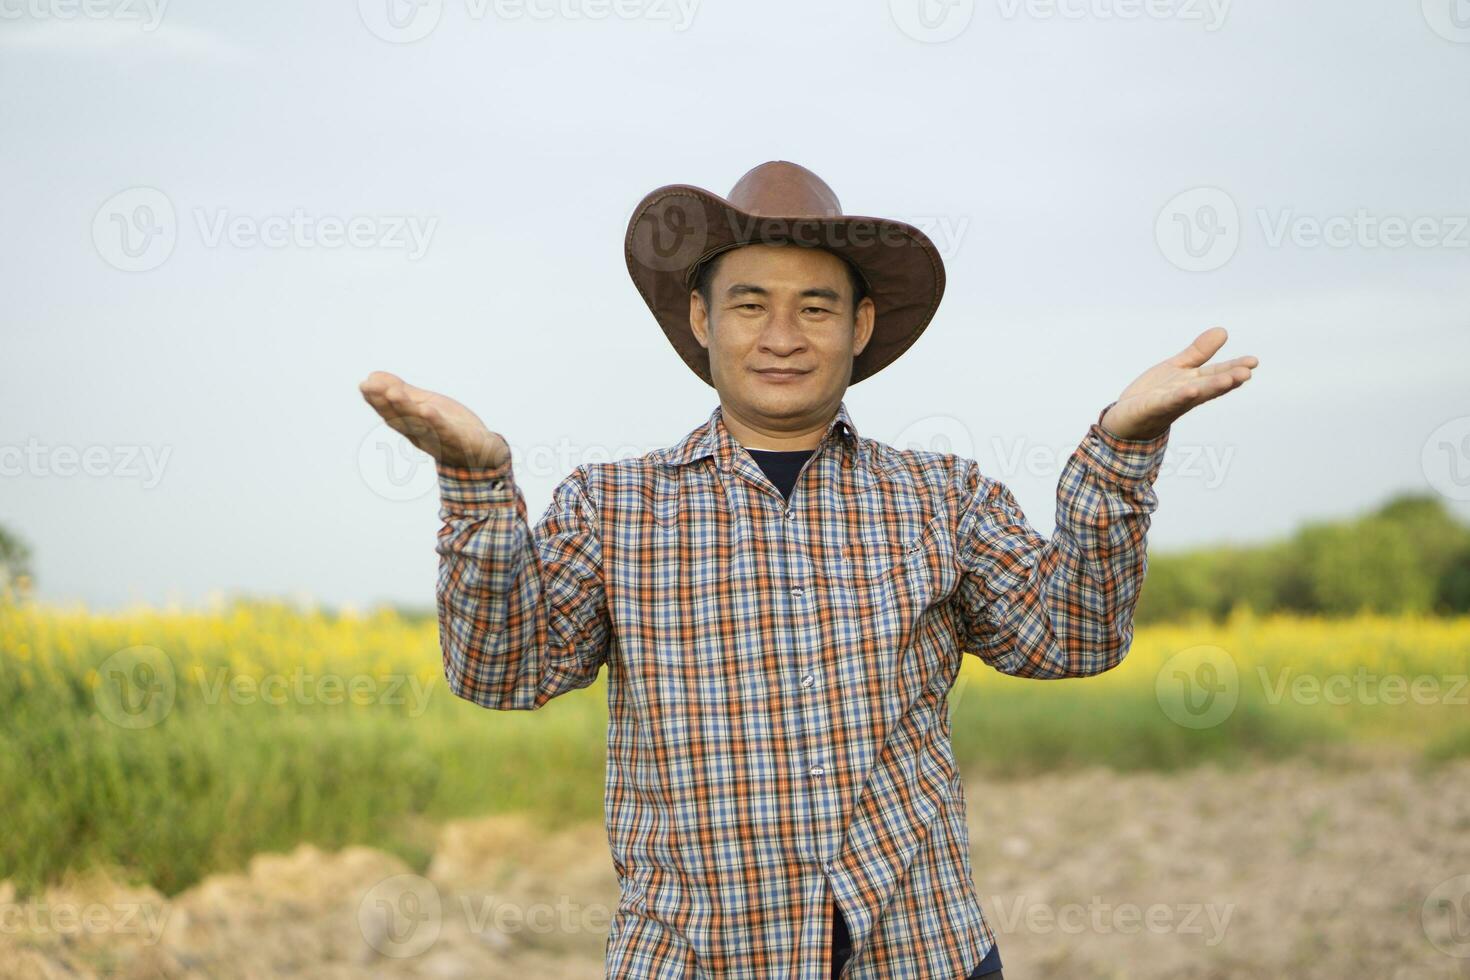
(1409, 555)
(15, 560)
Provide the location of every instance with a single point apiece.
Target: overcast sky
(186, 317)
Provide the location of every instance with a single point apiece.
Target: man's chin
(784, 400)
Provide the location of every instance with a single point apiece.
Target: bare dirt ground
(1286, 871)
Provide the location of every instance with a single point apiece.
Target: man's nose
(781, 333)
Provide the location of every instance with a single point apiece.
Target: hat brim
(677, 227)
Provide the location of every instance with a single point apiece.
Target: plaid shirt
(777, 675)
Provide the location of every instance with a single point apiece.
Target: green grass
(215, 782)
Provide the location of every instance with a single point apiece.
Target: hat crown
(782, 189)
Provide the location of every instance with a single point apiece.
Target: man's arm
(522, 612)
(1064, 607)
(1061, 607)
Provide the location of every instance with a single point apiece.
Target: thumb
(1202, 348)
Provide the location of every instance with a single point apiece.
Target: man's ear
(862, 329)
(698, 318)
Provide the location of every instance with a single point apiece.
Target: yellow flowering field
(175, 742)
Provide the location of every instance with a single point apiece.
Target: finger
(384, 388)
(1205, 389)
(398, 407)
(375, 390)
(378, 381)
(1247, 361)
(1201, 349)
(401, 399)
(379, 402)
(388, 404)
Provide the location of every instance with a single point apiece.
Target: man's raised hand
(438, 425)
(1170, 388)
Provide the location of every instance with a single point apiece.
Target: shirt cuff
(1125, 461)
(471, 487)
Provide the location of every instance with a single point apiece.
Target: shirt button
(808, 680)
(790, 515)
(798, 591)
(816, 770)
(827, 867)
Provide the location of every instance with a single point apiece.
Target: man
(782, 604)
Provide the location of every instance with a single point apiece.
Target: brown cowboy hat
(678, 227)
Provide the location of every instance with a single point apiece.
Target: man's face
(781, 332)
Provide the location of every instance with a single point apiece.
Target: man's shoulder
(598, 479)
(935, 468)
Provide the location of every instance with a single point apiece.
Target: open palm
(1170, 388)
(435, 423)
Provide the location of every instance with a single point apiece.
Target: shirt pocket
(885, 583)
(927, 571)
(921, 555)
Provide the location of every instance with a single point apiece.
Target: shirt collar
(712, 438)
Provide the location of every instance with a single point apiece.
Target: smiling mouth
(781, 373)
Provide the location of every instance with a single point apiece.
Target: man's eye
(817, 309)
(748, 306)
